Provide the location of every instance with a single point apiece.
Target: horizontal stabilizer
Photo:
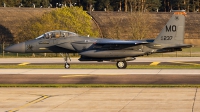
(180, 46)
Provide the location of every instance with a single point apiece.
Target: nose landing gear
(67, 65)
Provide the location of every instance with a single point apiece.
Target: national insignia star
(176, 18)
(29, 47)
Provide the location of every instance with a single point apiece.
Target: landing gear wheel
(121, 64)
(67, 65)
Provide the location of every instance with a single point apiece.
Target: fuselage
(85, 46)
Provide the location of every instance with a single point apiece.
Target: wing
(120, 42)
(117, 44)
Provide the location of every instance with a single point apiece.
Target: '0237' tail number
(166, 37)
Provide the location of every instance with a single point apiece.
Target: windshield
(57, 34)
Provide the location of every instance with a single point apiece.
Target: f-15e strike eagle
(170, 39)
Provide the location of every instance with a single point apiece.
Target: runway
(99, 76)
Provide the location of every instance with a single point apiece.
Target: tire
(121, 64)
(67, 65)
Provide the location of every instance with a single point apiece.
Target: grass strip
(101, 85)
(100, 66)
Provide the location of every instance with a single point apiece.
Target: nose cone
(17, 48)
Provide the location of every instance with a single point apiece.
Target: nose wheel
(121, 64)
(67, 65)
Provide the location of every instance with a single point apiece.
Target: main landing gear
(121, 64)
(67, 65)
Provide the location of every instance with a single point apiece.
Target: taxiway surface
(99, 99)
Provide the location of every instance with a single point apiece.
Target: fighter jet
(170, 39)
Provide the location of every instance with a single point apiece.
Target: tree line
(110, 5)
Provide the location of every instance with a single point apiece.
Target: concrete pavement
(99, 99)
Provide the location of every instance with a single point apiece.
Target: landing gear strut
(67, 65)
(121, 64)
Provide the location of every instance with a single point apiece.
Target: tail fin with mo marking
(173, 32)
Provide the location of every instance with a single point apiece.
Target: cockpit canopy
(56, 34)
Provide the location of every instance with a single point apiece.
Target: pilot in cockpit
(50, 35)
(45, 35)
